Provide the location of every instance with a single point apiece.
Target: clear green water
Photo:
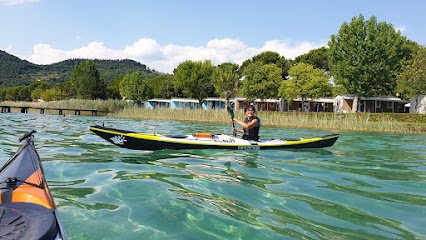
(367, 186)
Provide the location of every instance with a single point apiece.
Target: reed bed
(175, 114)
(349, 121)
(332, 121)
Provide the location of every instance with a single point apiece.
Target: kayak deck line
(153, 141)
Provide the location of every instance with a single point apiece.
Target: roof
(256, 100)
(159, 100)
(377, 98)
(193, 100)
(267, 100)
(321, 99)
(215, 99)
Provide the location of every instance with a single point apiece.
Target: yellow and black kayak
(153, 141)
(27, 209)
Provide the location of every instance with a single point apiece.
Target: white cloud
(166, 58)
(291, 50)
(400, 28)
(17, 2)
(8, 49)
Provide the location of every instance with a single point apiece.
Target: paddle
(231, 112)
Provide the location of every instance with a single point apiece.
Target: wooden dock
(94, 112)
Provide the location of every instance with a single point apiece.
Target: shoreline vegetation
(403, 123)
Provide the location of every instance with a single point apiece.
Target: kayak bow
(27, 209)
(152, 141)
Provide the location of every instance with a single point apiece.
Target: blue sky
(162, 34)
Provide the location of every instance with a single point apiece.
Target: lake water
(367, 186)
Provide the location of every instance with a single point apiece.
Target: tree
(194, 79)
(87, 81)
(24, 93)
(53, 94)
(316, 57)
(412, 79)
(269, 57)
(162, 86)
(113, 91)
(12, 93)
(67, 88)
(2, 94)
(261, 81)
(135, 87)
(37, 89)
(305, 82)
(39, 85)
(36, 93)
(365, 57)
(225, 79)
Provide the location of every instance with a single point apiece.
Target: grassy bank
(372, 122)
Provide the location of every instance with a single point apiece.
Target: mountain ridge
(17, 72)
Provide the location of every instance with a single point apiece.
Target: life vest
(253, 133)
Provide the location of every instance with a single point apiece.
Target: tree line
(364, 58)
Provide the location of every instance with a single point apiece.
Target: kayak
(27, 209)
(153, 141)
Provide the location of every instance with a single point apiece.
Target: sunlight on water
(367, 186)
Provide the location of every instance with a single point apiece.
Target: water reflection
(257, 207)
(367, 186)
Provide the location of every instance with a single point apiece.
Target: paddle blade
(230, 111)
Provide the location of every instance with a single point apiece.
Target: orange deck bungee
(203, 135)
(32, 194)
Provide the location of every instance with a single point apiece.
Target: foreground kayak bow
(152, 141)
(27, 209)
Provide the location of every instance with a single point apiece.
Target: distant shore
(403, 123)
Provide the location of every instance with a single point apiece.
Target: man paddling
(251, 124)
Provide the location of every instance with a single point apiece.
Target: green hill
(17, 72)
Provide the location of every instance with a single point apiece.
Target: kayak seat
(290, 139)
(176, 136)
(26, 221)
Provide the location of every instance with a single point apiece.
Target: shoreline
(362, 122)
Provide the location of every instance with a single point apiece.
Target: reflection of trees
(342, 212)
(368, 169)
(67, 196)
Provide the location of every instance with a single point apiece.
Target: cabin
(267, 104)
(322, 104)
(343, 103)
(214, 103)
(184, 103)
(158, 103)
(240, 103)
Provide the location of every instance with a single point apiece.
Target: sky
(164, 33)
